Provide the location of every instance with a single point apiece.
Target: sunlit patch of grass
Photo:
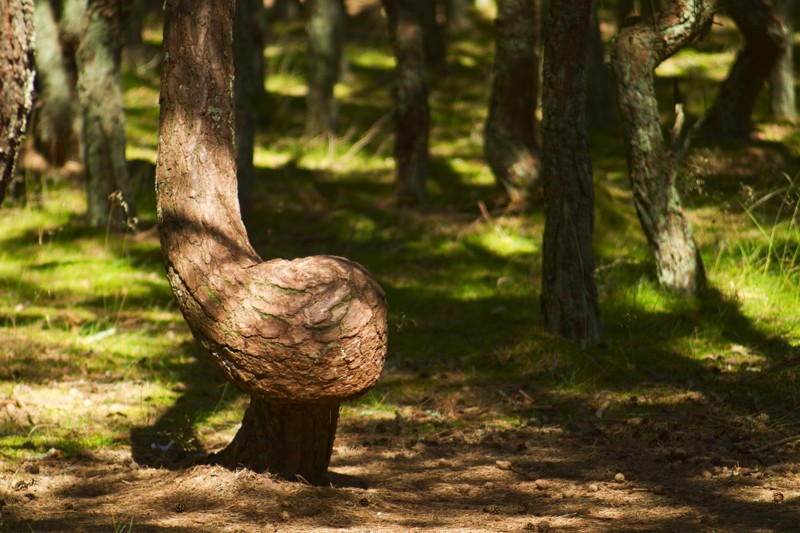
(690, 62)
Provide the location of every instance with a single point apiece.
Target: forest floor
(685, 419)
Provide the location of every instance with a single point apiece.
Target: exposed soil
(692, 463)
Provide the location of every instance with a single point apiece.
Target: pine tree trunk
(16, 87)
(569, 295)
(103, 117)
(248, 59)
(782, 101)
(412, 114)
(325, 43)
(510, 132)
(298, 336)
(730, 116)
(638, 49)
(292, 441)
(56, 91)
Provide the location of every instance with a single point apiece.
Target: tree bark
(639, 48)
(510, 132)
(309, 332)
(110, 198)
(569, 295)
(325, 43)
(412, 114)
(730, 116)
(16, 84)
(782, 101)
(248, 64)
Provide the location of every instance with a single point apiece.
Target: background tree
(510, 132)
(326, 21)
(298, 336)
(639, 47)
(56, 134)
(569, 295)
(103, 116)
(16, 87)
(765, 37)
(782, 101)
(248, 91)
(411, 100)
(433, 30)
(600, 96)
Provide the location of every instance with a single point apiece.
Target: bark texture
(510, 132)
(325, 28)
(16, 82)
(782, 99)
(600, 100)
(306, 332)
(110, 196)
(412, 114)
(569, 295)
(299, 439)
(639, 48)
(730, 116)
(248, 89)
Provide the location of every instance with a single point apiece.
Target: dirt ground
(693, 463)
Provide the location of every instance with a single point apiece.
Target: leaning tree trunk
(412, 114)
(325, 42)
(510, 132)
(109, 193)
(730, 116)
(298, 336)
(248, 89)
(53, 126)
(782, 101)
(569, 295)
(16, 85)
(639, 48)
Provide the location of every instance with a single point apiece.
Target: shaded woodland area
(399, 265)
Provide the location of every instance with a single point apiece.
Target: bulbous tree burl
(298, 336)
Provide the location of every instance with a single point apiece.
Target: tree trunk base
(291, 441)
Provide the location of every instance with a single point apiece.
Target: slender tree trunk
(638, 49)
(458, 14)
(298, 336)
(100, 98)
(782, 101)
(510, 132)
(16, 85)
(286, 10)
(433, 31)
(248, 60)
(569, 295)
(411, 101)
(600, 101)
(325, 42)
(730, 116)
(56, 91)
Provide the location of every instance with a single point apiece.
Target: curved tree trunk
(730, 116)
(16, 87)
(510, 132)
(569, 295)
(638, 49)
(325, 42)
(782, 100)
(298, 336)
(110, 197)
(412, 114)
